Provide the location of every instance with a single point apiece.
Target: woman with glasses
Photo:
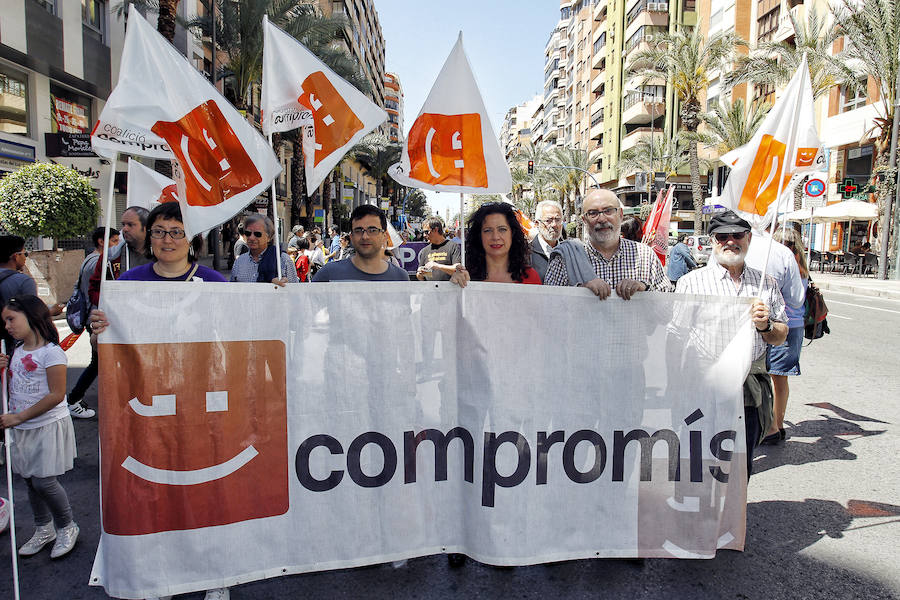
(173, 260)
(259, 265)
(170, 250)
(496, 248)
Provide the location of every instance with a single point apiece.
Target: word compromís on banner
(362, 423)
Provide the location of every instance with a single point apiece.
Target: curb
(861, 291)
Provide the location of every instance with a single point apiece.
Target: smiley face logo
(334, 121)
(806, 156)
(447, 150)
(186, 429)
(213, 161)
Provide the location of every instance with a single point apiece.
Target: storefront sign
(69, 144)
(17, 151)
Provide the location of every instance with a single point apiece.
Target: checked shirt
(631, 261)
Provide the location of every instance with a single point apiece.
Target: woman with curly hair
(496, 248)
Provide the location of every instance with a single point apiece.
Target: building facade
(516, 130)
(393, 104)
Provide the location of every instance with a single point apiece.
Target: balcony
(597, 81)
(631, 139)
(654, 14)
(597, 104)
(785, 29)
(638, 108)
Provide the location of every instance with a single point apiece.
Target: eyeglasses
(160, 234)
(606, 212)
(22, 252)
(723, 237)
(551, 221)
(358, 231)
(257, 234)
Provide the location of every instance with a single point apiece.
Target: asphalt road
(823, 515)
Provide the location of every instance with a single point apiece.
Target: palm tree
(686, 60)
(377, 153)
(776, 62)
(668, 155)
(872, 28)
(575, 177)
(165, 9)
(731, 125)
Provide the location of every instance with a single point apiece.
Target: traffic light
(531, 167)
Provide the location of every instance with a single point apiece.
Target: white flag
(163, 107)
(147, 188)
(298, 89)
(784, 148)
(451, 146)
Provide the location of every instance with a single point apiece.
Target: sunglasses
(258, 234)
(723, 237)
(22, 252)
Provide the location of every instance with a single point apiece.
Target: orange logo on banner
(335, 122)
(169, 194)
(761, 187)
(188, 431)
(806, 156)
(214, 163)
(447, 150)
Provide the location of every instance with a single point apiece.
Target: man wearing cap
(296, 233)
(608, 262)
(728, 275)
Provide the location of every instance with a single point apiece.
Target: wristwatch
(767, 329)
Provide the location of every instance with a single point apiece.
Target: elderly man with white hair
(548, 215)
(608, 262)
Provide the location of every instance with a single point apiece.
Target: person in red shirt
(496, 248)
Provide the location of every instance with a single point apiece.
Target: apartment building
(393, 104)
(516, 130)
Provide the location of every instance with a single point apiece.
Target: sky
(504, 40)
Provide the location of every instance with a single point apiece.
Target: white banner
(251, 432)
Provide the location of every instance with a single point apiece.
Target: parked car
(701, 247)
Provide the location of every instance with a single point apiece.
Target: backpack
(815, 325)
(302, 266)
(78, 307)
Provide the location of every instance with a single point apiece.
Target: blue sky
(504, 40)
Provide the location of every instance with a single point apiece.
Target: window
(600, 43)
(13, 102)
(564, 13)
(50, 5)
(93, 15)
(851, 100)
(767, 24)
(69, 112)
(711, 103)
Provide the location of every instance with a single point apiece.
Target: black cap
(727, 222)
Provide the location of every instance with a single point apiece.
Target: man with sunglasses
(608, 262)
(548, 215)
(729, 275)
(368, 231)
(439, 259)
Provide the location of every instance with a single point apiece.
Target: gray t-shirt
(445, 254)
(345, 270)
(17, 284)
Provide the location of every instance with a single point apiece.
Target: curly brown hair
(519, 257)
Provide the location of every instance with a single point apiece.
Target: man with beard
(728, 275)
(609, 261)
(127, 254)
(548, 215)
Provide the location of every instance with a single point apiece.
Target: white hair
(539, 209)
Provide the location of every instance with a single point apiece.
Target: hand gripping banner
(451, 146)
(349, 424)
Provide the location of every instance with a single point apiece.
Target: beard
(728, 258)
(604, 233)
(550, 234)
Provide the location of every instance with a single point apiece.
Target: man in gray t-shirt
(368, 231)
(437, 260)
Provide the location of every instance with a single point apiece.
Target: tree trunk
(297, 182)
(166, 22)
(696, 190)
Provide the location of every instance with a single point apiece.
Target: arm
(772, 332)
(56, 381)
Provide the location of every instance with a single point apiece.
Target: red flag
(656, 229)
(69, 341)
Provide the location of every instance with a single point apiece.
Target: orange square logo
(335, 122)
(806, 156)
(192, 434)
(447, 150)
(214, 163)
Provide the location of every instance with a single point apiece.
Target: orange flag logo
(447, 150)
(213, 161)
(334, 121)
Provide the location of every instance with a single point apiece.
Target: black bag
(78, 306)
(815, 325)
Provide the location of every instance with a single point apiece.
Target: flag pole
(275, 214)
(110, 207)
(462, 227)
(9, 487)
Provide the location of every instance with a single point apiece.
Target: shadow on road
(832, 436)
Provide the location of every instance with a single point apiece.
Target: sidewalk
(865, 286)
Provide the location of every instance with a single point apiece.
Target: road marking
(896, 312)
(879, 298)
(831, 314)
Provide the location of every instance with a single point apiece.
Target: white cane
(9, 487)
